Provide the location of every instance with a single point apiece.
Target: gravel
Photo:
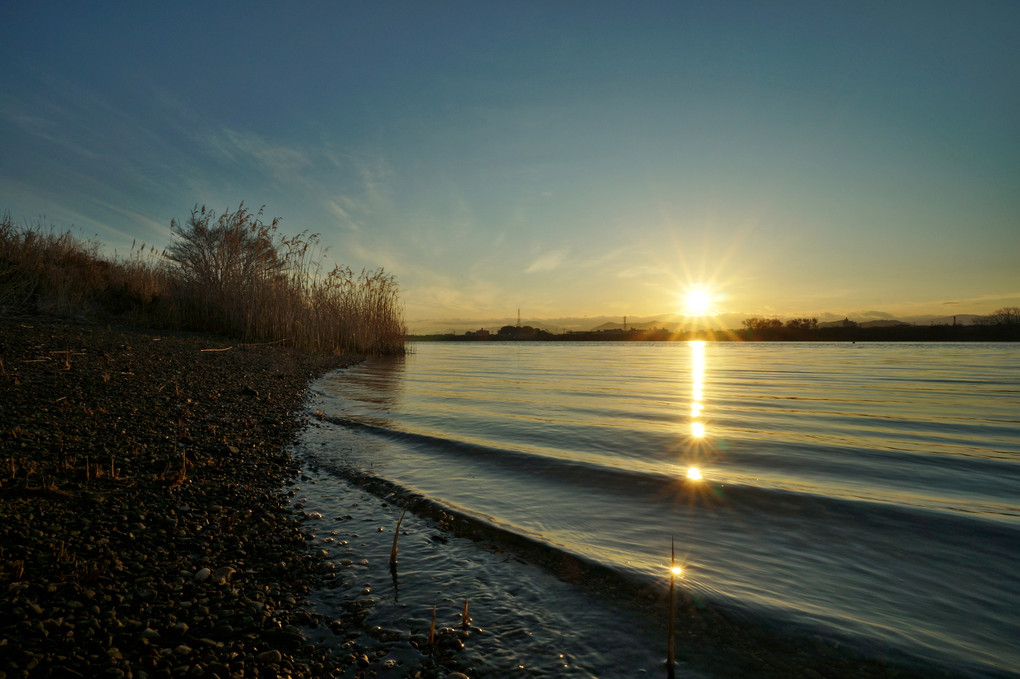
(144, 529)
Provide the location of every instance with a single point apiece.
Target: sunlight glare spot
(676, 570)
(697, 302)
(694, 474)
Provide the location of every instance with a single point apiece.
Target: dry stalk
(670, 659)
(396, 536)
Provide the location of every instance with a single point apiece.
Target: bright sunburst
(698, 302)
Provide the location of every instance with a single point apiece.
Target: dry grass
(232, 274)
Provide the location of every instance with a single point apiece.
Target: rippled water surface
(864, 492)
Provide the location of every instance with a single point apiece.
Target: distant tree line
(774, 329)
(1001, 326)
(1008, 316)
(524, 333)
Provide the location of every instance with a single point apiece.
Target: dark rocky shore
(143, 523)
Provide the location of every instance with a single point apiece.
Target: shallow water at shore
(525, 622)
(844, 485)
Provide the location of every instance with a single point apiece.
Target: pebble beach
(144, 528)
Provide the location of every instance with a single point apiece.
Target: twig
(226, 349)
(670, 659)
(262, 344)
(396, 534)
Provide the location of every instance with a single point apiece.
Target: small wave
(717, 628)
(652, 481)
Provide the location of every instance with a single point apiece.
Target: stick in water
(396, 534)
(672, 610)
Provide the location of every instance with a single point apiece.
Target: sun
(697, 302)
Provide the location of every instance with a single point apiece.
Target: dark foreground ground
(143, 529)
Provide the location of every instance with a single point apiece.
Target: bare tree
(226, 253)
(1009, 315)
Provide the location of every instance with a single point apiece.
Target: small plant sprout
(432, 628)
(396, 536)
(465, 619)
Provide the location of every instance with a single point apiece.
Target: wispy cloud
(641, 271)
(548, 261)
(343, 215)
(283, 162)
(1006, 298)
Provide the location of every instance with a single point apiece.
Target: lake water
(864, 494)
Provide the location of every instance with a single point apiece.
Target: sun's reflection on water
(698, 388)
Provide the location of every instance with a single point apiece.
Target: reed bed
(232, 274)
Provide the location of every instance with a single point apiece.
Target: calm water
(868, 493)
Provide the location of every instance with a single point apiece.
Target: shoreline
(145, 528)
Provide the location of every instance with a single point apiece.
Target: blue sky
(566, 158)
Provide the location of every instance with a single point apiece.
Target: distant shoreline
(895, 333)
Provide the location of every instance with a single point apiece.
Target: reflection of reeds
(432, 628)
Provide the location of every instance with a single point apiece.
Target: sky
(569, 159)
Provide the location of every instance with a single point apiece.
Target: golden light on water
(697, 388)
(697, 448)
(676, 570)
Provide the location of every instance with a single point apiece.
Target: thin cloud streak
(550, 261)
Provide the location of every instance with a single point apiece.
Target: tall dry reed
(46, 271)
(232, 274)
